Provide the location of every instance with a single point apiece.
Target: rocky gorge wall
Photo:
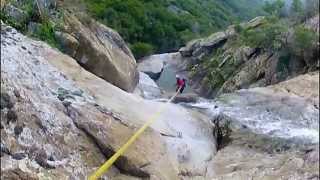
(217, 64)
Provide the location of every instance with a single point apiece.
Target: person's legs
(182, 88)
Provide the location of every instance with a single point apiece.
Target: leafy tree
(297, 10)
(141, 49)
(168, 24)
(269, 36)
(296, 6)
(274, 7)
(304, 40)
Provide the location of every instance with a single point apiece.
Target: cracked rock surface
(61, 122)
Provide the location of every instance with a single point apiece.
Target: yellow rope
(104, 168)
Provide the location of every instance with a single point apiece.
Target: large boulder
(101, 51)
(18, 15)
(199, 47)
(255, 22)
(68, 43)
(152, 65)
(186, 98)
(213, 39)
(147, 88)
(305, 86)
(187, 50)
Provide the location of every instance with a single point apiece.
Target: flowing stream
(288, 121)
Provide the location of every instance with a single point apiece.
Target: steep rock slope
(44, 113)
(275, 131)
(50, 102)
(98, 48)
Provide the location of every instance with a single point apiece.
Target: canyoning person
(180, 85)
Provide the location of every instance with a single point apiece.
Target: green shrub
(21, 26)
(141, 49)
(27, 6)
(238, 28)
(304, 39)
(46, 33)
(268, 36)
(155, 23)
(283, 63)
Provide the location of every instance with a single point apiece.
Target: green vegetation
(283, 65)
(268, 36)
(274, 7)
(21, 23)
(141, 49)
(296, 6)
(272, 34)
(168, 24)
(305, 42)
(43, 27)
(279, 33)
(304, 38)
(45, 32)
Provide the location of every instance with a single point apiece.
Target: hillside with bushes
(165, 25)
(264, 51)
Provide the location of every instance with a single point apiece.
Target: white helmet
(177, 76)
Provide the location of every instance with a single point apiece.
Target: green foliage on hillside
(45, 32)
(272, 34)
(274, 7)
(296, 6)
(141, 49)
(20, 24)
(304, 40)
(44, 29)
(169, 24)
(268, 36)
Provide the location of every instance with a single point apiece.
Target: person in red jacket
(181, 83)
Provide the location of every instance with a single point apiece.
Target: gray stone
(102, 51)
(68, 43)
(33, 27)
(19, 156)
(214, 39)
(255, 22)
(152, 66)
(186, 98)
(147, 88)
(15, 13)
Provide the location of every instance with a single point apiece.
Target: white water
(265, 122)
(302, 125)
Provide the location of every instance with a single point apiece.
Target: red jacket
(180, 83)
